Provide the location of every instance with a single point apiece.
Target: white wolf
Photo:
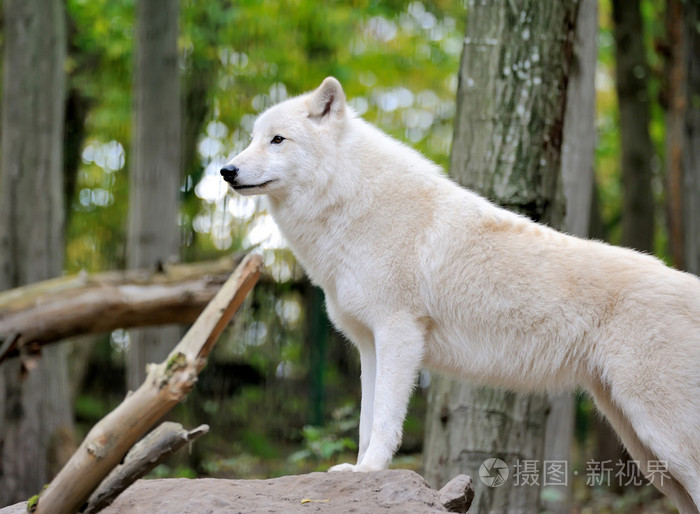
(418, 271)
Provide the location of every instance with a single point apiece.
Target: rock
(396, 490)
(458, 493)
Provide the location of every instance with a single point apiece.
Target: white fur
(418, 271)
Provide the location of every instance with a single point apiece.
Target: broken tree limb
(166, 384)
(51, 310)
(142, 458)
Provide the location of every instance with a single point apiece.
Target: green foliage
(608, 149)
(322, 445)
(32, 503)
(99, 68)
(165, 471)
(90, 408)
(239, 465)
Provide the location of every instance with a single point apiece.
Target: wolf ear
(328, 99)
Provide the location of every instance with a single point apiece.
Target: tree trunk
(682, 104)
(578, 150)
(507, 145)
(76, 112)
(631, 76)
(577, 174)
(155, 166)
(36, 408)
(673, 99)
(691, 139)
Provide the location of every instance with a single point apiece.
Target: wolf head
(290, 142)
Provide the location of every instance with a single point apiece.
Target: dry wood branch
(166, 384)
(142, 458)
(51, 310)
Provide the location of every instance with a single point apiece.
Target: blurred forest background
(281, 390)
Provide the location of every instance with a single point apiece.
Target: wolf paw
(344, 467)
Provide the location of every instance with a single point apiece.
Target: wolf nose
(229, 172)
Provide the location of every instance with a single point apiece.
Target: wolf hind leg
(669, 485)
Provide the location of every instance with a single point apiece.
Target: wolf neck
(316, 221)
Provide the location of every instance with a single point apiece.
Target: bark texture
(691, 149)
(155, 165)
(681, 100)
(673, 98)
(577, 161)
(507, 145)
(145, 455)
(34, 407)
(631, 78)
(578, 150)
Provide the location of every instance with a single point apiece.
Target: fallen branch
(51, 310)
(142, 458)
(166, 384)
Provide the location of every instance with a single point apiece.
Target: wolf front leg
(368, 364)
(399, 346)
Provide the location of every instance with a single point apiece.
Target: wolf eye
(277, 140)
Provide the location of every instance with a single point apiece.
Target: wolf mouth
(251, 186)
